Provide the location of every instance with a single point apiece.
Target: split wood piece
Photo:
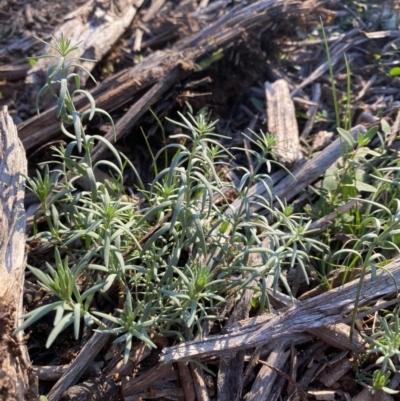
(79, 366)
(312, 111)
(52, 373)
(306, 378)
(329, 308)
(282, 123)
(96, 25)
(307, 362)
(200, 385)
(266, 377)
(133, 386)
(186, 380)
(331, 376)
(230, 372)
(152, 11)
(122, 88)
(327, 395)
(97, 389)
(16, 375)
(276, 393)
(13, 72)
(336, 335)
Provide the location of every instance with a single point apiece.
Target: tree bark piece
(325, 309)
(15, 369)
(282, 122)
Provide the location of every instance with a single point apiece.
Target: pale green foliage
(188, 268)
(386, 343)
(198, 257)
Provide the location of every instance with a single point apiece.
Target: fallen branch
(328, 308)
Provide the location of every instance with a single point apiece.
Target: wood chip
(282, 122)
(333, 375)
(322, 394)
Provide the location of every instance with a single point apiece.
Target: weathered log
(15, 370)
(325, 309)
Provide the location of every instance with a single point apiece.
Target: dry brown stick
(186, 380)
(262, 386)
(230, 372)
(199, 383)
(81, 363)
(336, 335)
(15, 374)
(303, 395)
(53, 373)
(312, 111)
(333, 375)
(328, 308)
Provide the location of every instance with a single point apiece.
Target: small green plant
(172, 265)
(386, 343)
(167, 268)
